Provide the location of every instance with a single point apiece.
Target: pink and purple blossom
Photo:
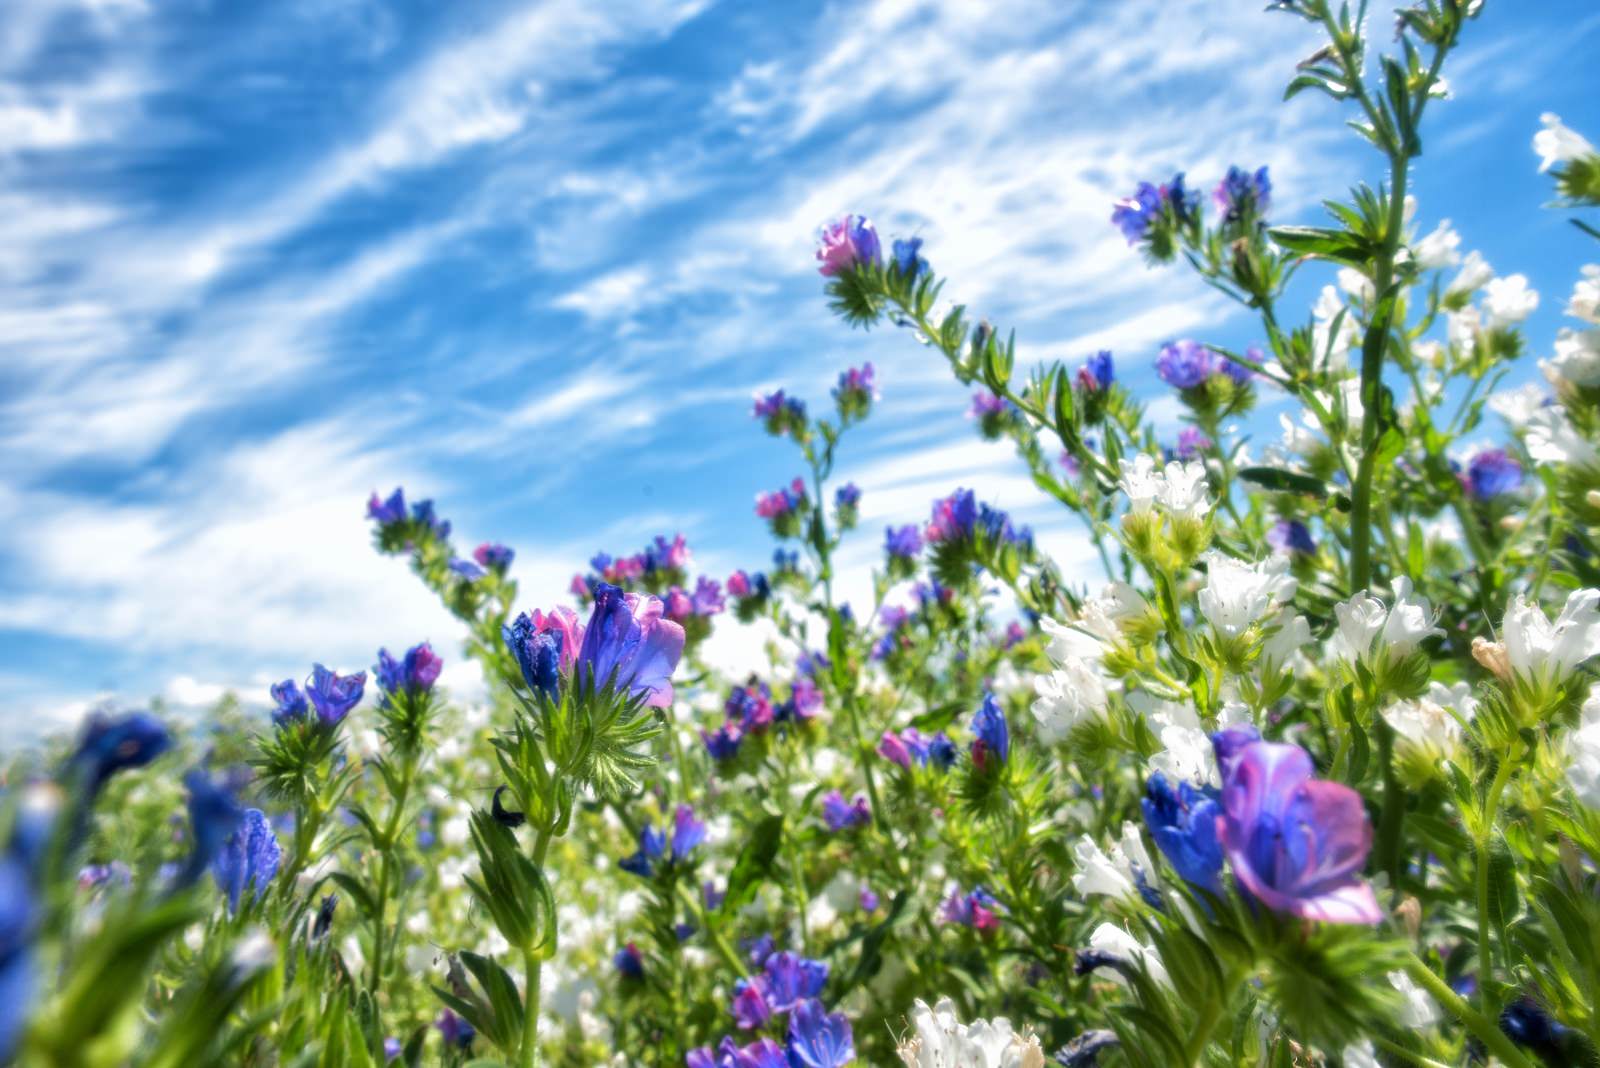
(846, 244)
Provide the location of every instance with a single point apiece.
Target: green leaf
(1280, 481)
(1338, 245)
(755, 861)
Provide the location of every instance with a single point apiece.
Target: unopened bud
(1492, 655)
(1410, 916)
(1592, 498)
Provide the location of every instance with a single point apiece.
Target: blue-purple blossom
(707, 599)
(1192, 441)
(818, 1038)
(454, 1031)
(1492, 472)
(388, 511)
(749, 1008)
(841, 815)
(953, 517)
(1242, 193)
(978, 910)
(1183, 821)
(422, 514)
(1295, 843)
(722, 743)
(334, 695)
(1530, 1025)
(1135, 214)
(493, 556)
(1185, 364)
(902, 542)
(687, 833)
(415, 672)
(113, 744)
(1291, 536)
(652, 847)
(790, 978)
(1097, 372)
(291, 703)
(214, 816)
(991, 739)
(17, 980)
(628, 644)
(908, 257)
(847, 496)
(846, 244)
(467, 569)
(629, 962)
(248, 859)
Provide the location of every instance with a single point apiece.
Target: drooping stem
(1483, 1027)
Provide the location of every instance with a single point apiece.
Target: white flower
(1461, 327)
(1286, 641)
(1558, 144)
(1101, 616)
(1516, 406)
(1141, 482)
(1356, 284)
(1427, 724)
(1179, 488)
(1577, 358)
(1509, 300)
(1237, 594)
(1114, 875)
(1419, 1010)
(1109, 938)
(943, 1041)
(1323, 340)
(1187, 757)
(1438, 249)
(1298, 438)
(1070, 695)
(1585, 301)
(1361, 1055)
(1398, 631)
(1544, 652)
(1550, 437)
(1475, 272)
(1583, 769)
(1590, 713)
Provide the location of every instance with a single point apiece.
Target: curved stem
(1484, 839)
(1483, 1027)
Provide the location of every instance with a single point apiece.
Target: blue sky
(532, 259)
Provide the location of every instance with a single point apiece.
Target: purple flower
(454, 1031)
(739, 585)
(902, 542)
(991, 738)
(847, 496)
(818, 1038)
(1291, 536)
(18, 914)
(941, 750)
(722, 743)
(857, 380)
(841, 815)
(707, 599)
(953, 517)
(666, 554)
(392, 1049)
(110, 745)
(1295, 843)
(1097, 372)
(423, 515)
(750, 706)
(1185, 364)
(782, 502)
(977, 910)
(652, 846)
(214, 816)
(545, 647)
(867, 899)
(1191, 442)
(249, 858)
(1242, 193)
(334, 695)
(416, 672)
(392, 510)
(291, 703)
(712, 895)
(628, 644)
(687, 833)
(791, 978)
(988, 405)
(1530, 1025)
(1134, 215)
(908, 257)
(762, 1053)
(847, 244)
(1183, 822)
(894, 749)
(1491, 473)
(805, 701)
(750, 1009)
(629, 962)
(466, 569)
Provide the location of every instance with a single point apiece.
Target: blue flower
(454, 1030)
(722, 743)
(422, 513)
(687, 833)
(629, 962)
(1242, 193)
(629, 645)
(652, 845)
(17, 915)
(847, 495)
(1134, 215)
(902, 542)
(392, 510)
(291, 703)
(1526, 1023)
(110, 745)
(941, 750)
(467, 569)
(818, 1038)
(416, 672)
(841, 815)
(1492, 472)
(214, 816)
(334, 695)
(493, 556)
(1185, 364)
(908, 257)
(1183, 822)
(791, 978)
(1291, 536)
(1097, 372)
(249, 858)
(991, 737)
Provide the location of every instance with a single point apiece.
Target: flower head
(291, 703)
(1547, 653)
(688, 832)
(214, 817)
(1291, 536)
(334, 695)
(248, 859)
(1371, 632)
(627, 644)
(494, 556)
(1295, 843)
(1185, 364)
(902, 542)
(629, 962)
(652, 847)
(388, 511)
(842, 815)
(454, 1032)
(1558, 143)
(1182, 819)
(1134, 215)
(818, 1038)
(940, 1040)
(18, 916)
(1097, 373)
(976, 910)
(1242, 194)
(846, 244)
(908, 258)
(991, 739)
(1492, 473)
(416, 672)
(1238, 594)
(113, 744)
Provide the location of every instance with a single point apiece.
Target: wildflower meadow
(1308, 773)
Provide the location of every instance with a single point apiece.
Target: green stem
(1483, 840)
(533, 964)
(1483, 1026)
(1203, 1027)
(718, 939)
